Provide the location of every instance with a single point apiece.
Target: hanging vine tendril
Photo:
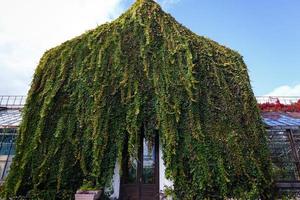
(92, 92)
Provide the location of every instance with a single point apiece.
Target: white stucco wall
(163, 181)
(116, 182)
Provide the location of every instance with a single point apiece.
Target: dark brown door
(140, 178)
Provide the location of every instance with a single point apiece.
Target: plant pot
(88, 195)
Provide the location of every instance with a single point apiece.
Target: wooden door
(140, 177)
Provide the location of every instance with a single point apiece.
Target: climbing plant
(277, 106)
(91, 92)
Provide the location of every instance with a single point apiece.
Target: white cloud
(285, 91)
(167, 3)
(28, 28)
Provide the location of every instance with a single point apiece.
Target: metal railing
(12, 101)
(18, 101)
(287, 100)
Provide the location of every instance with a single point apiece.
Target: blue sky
(265, 32)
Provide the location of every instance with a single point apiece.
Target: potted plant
(88, 192)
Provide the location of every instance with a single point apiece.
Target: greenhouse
(281, 116)
(143, 108)
(10, 117)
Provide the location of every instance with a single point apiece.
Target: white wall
(116, 182)
(163, 181)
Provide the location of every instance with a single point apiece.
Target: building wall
(163, 181)
(116, 182)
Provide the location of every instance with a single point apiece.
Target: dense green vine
(91, 92)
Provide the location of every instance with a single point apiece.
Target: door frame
(140, 186)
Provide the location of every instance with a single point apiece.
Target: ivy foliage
(143, 69)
